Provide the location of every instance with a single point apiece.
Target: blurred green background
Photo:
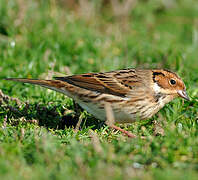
(44, 38)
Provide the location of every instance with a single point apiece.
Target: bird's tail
(56, 85)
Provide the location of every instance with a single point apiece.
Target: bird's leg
(130, 135)
(111, 120)
(127, 133)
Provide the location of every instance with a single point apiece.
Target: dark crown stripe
(157, 74)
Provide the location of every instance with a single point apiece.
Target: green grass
(37, 136)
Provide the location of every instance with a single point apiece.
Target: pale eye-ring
(172, 82)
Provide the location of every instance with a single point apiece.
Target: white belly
(100, 113)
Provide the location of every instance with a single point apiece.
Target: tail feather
(50, 84)
(25, 80)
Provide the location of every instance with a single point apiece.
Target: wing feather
(118, 83)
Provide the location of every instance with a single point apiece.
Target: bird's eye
(172, 82)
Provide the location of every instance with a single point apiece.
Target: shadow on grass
(47, 115)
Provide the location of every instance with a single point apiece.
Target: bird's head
(169, 83)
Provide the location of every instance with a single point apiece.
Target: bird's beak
(183, 94)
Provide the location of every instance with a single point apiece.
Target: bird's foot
(127, 133)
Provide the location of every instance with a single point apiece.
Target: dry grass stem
(21, 13)
(86, 9)
(158, 130)
(95, 141)
(22, 133)
(122, 8)
(79, 123)
(5, 122)
(6, 98)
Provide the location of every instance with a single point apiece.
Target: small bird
(134, 94)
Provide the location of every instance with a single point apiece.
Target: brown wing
(116, 82)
